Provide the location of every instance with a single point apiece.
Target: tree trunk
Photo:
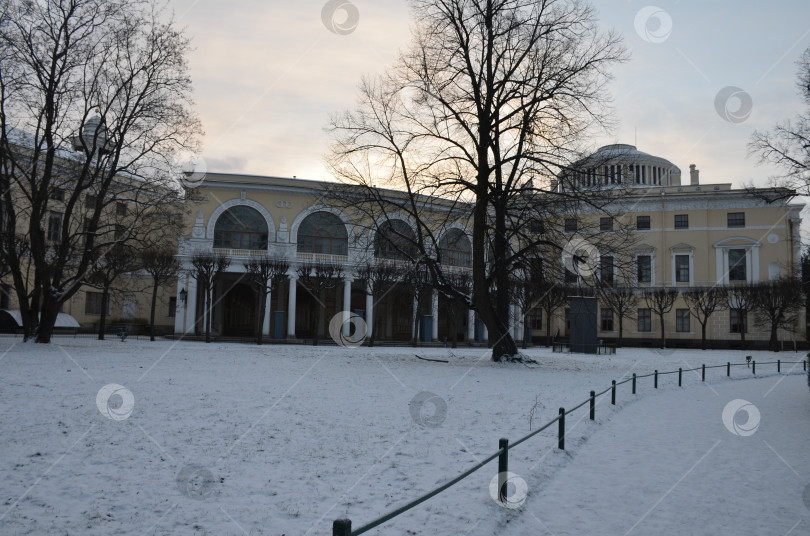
(773, 344)
(262, 313)
(548, 328)
(525, 343)
(703, 335)
(208, 296)
(152, 312)
(621, 331)
(102, 322)
(663, 334)
(47, 320)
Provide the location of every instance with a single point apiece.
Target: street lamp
(183, 295)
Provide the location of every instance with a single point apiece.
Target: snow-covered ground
(224, 439)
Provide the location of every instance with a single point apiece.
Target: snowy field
(224, 439)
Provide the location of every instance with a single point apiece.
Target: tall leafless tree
(95, 107)
(206, 268)
(788, 144)
(551, 297)
(265, 273)
(702, 303)
(317, 277)
(660, 301)
(162, 267)
(482, 113)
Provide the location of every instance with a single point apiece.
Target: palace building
(685, 234)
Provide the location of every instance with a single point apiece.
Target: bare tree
(623, 301)
(552, 295)
(95, 104)
(206, 267)
(787, 145)
(660, 302)
(379, 278)
(702, 303)
(419, 281)
(265, 274)
(458, 302)
(776, 305)
(316, 278)
(481, 114)
(528, 287)
(740, 301)
(104, 272)
(163, 268)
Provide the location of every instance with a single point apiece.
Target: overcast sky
(267, 74)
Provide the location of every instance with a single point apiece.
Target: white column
(347, 305)
(267, 314)
(416, 316)
(470, 326)
(291, 307)
(435, 312)
(191, 304)
(486, 333)
(369, 310)
(180, 312)
(519, 324)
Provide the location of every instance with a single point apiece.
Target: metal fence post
(680, 376)
(805, 365)
(634, 383)
(613, 393)
(503, 468)
(342, 527)
(656, 379)
(728, 368)
(779, 366)
(561, 430)
(703, 373)
(754, 367)
(593, 405)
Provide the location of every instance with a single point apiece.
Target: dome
(621, 165)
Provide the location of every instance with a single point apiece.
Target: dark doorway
(239, 318)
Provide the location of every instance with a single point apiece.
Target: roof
(63, 320)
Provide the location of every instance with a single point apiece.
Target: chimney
(694, 175)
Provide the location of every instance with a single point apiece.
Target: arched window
(240, 227)
(395, 240)
(455, 249)
(323, 232)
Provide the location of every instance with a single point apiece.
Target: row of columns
(185, 323)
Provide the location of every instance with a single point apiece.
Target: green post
(680, 376)
(703, 373)
(503, 468)
(634, 383)
(561, 430)
(656, 379)
(613, 393)
(342, 527)
(593, 405)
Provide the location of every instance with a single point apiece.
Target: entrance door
(239, 313)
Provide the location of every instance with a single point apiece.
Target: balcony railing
(321, 257)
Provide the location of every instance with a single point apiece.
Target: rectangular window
(90, 201)
(570, 225)
(736, 219)
(55, 226)
(682, 320)
(570, 277)
(606, 271)
(644, 265)
(536, 319)
(642, 223)
(92, 303)
(607, 320)
(682, 221)
(605, 224)
(644, 320)
(738, 321)
(121, 208)
(682, 268)
(736, 265)
(57, 194)
(172, 307)
(5, 296)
